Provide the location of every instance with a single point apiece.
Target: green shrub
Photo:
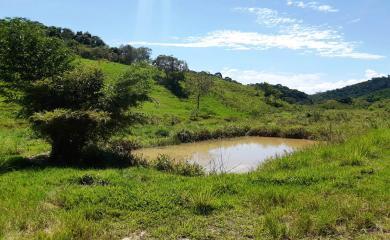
(69, 131)
(164, 163)
(184, 136)
(167, 164)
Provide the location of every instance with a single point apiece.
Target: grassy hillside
(335, 190)
(226, 100)
(231, 110)
(357, 90)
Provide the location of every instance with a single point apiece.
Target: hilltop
(365, 90)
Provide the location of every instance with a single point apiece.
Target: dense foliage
(76, 108)
(356, 90)
(27, 54)
(284, 93)
(93, 47)
(174, 70)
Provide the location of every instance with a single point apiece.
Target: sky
(311, 46)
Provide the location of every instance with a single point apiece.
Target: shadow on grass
(99, 160)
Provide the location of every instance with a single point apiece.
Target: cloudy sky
(308, 45)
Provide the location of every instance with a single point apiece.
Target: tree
(27, 54)
(71, 106)
(218, 74)
(170, 64)
(199, 85)
(82, 108)
(174, 70)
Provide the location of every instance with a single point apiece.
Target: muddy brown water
(235, 155)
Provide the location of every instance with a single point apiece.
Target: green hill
(369, 88)
(226, 99)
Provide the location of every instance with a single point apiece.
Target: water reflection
(228, 155)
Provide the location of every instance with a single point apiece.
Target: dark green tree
(170, 64)
(82, 108)
(174, 70)
(27, 54)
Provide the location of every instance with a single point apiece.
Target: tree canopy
(284, 93)
(70, 105)
(357, 90)
(174, 70)
(27, 54)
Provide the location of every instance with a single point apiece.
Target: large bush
(78, 108)
(27, 54)
(71, 106)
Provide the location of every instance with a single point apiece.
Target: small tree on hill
(174, 70)
(199, 85)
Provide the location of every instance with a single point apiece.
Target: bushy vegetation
(284, 93)
(357, 90)
(174, 74)
(93, 47)
(71, 106)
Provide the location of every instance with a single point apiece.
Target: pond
(234, 155)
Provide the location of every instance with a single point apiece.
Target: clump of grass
(167, 164)
(202, 202)
(225, 188)
(303, 226)
(275, 228)
(164, 163)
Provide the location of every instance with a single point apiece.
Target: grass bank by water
(330, 191)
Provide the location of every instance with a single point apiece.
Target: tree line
(93, 47)
(274, 92)
(368, 88)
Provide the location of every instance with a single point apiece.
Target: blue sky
(309, 45)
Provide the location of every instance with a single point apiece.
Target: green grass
(320, 192)
(334, 190)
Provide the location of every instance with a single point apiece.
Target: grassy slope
(227, 99)
(329, 191)
(230, 105)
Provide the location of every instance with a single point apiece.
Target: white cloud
(269, 17)
(324, 43)
(310, 83)
(373, 74)
(289, 33)
(312, 5)
(356, 20)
